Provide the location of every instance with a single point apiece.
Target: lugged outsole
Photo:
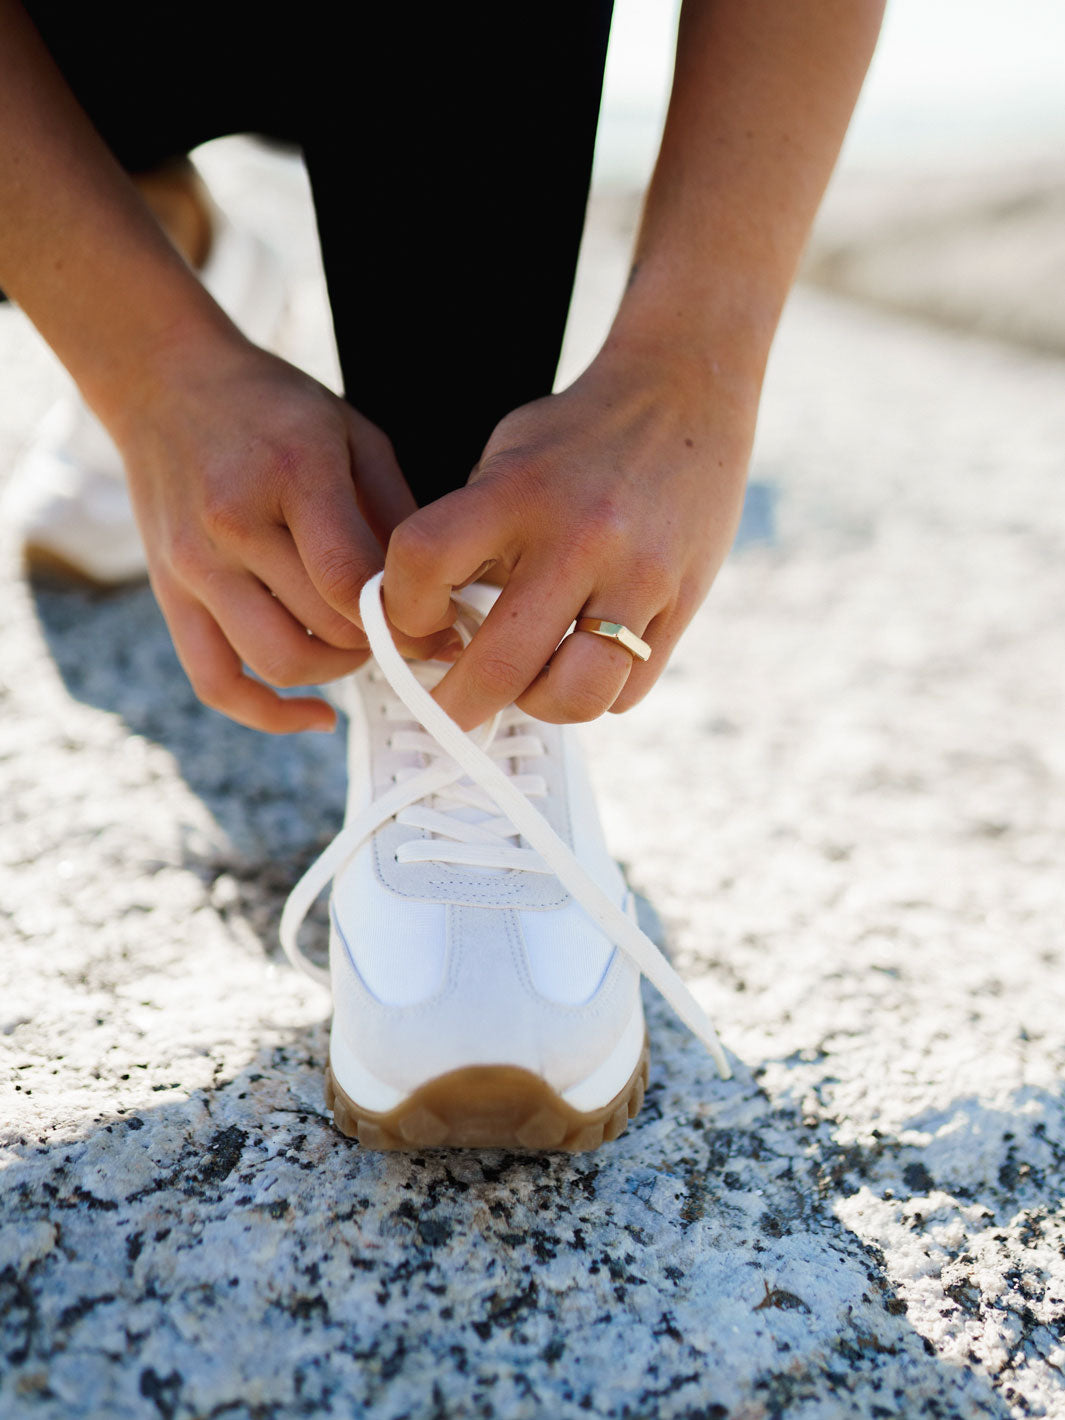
(488, 1107)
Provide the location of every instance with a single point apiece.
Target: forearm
(79, 250)
(762, 95)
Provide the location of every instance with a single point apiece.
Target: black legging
(449, 149)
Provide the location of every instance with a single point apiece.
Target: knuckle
(523, 485)
(225, 517)
(294, 476)
(339, 577)
(415, 546)
(609, 522)
(293, 459)
(212, 688)
(579, 702)
(343, 634)
(188, 557)
(498, 676)
(288, 461)
(600, 534)
(650, 579)
(374, 441)
(284, 670)
(504, 463)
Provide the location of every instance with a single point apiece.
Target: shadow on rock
(961, 1203)
(226, 1251)
(277, 798)
(229, 1252)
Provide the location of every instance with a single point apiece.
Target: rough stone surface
(845, 803)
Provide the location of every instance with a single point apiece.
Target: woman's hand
(617, 498)
(265, 502)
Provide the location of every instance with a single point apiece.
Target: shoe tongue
(429, 674)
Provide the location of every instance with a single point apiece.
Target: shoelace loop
(464, 823)
(456, 755)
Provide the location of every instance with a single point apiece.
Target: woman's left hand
(617, 498)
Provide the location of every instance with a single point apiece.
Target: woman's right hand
(265, 502)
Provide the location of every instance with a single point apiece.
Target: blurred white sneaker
(485, 960)
(67, 495)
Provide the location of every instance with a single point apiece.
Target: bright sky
(953, 81)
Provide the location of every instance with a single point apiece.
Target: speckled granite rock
(844, 802)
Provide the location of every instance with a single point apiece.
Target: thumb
(443, 546)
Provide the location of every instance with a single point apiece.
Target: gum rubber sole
(488, 1107)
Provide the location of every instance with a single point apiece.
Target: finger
(383, 495)
(278, 566)
(217, 676)
(280, 570)
(588, 672)
(661, 635)
(511, 647)
(581, 681)
(443, 546)
(268, 638)
(340, 553)
(334, 542)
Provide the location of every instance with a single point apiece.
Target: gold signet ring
(614, 631)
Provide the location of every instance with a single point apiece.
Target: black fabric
(449, 150)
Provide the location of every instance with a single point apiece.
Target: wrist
(703, 322)
(691, 363)
(192, 344)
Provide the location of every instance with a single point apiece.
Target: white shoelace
(466, 825)
(425, 799)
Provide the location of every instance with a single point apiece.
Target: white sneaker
(480, 996)
(67, 495)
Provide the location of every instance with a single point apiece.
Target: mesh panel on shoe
(396, 945)
(567, 955)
